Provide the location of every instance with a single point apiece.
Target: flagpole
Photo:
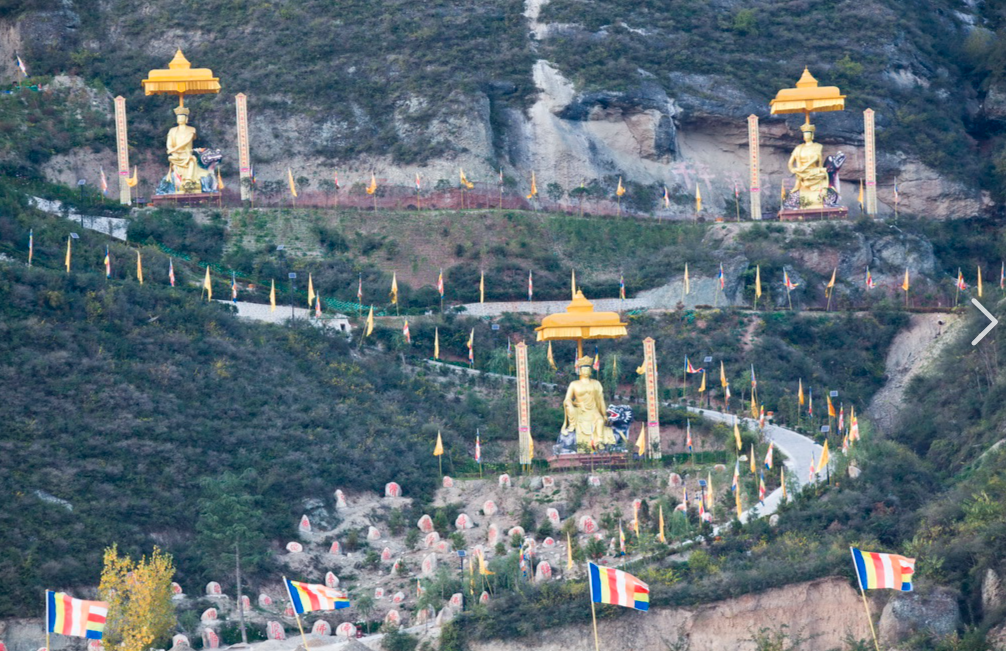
(593, 614)
(829, 291)
(303, 637)
(47, 647)
(866, 605)
(789, 298)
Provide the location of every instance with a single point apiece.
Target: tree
(555, 191)
(229, 514)
(138, 593)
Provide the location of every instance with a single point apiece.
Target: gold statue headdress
(586, 360)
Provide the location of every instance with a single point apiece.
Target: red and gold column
(523, 405)
(652, 399)
(244, 158)
(755, 181)
(870, 151)
(122, 146)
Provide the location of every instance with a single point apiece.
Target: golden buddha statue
(807, 164)
(185, 174)
(586, 415)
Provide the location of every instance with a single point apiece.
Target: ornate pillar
(523, 405)
(755, 183)
(652, 402)
(870, 152)
(122, 146)
(244, 159)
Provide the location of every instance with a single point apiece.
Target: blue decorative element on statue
(620, 417)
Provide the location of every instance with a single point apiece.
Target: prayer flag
(418, 186)
(737, 475)
(853, 425)
(139, 267)
(722, 278)
(171, 273)
(359, 290)
(905, 284)
(108, 263)
(372, 188)
(621, 539)
(635, 517)
(691, 369)
(405, 332)
(1002, 276)
(726, 393)
(861, 195)
(620, 190)
(572, 282)
(831, 283)
(641, 441)
(737, 501)
(877, 571)
(208, 285)
(611, 586)
(307, 597)
(698, 198)
(597, 360)
(688, 289)
(104, 181)
(551, 359)
(822, 464)
(439, 448)
(436, 343)
(68, 616)
(534, 188)
(737, 434)
(464, 181)
(530, 285)
(758, 281)
(370, 322)
(790, 286)
(799, 393)
(482, 287)
(440, 283)
(68, 253)
(31, 246)
(569, 552)
(293, 185)
(667, 198)
(220, 181)
(782, 480)
(310, 290)
(688, 435)
(272, 297)
(761, 488)
(134, 179)
(478, 448)
(831, 406)
(961, 285)
(897, 195)
(621, 287)
(660, 535)
(752, 462)
(979, 283)
(841, 418)
(394, 288)
(869, 279)
(20, 65)
(317, 303)
(723, 376)
(768, 455)
(710, 495)
(702, 387)
(812, 471)
(471, 348)
(761, 417)
(810, 401)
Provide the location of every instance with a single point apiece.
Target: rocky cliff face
(726, 624)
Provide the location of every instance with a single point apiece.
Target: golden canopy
(580, 322)
(808, 98)
(180, 79)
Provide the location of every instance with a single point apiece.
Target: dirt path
(910, 354)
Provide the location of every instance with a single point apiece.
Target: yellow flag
(702, 387)
(293, 185)
(782, 479)
(310, 291)
(68, 245)
(831, 407)
(464, 181)
(139, 267)
(737, 434)
(661, 537)
(635, 518)
(370, 322)
(905, 284)
(799, 393)
(620, 190)
(860, 194)
(737, 498)
(698, 198)
(709, 491)
(220, 181)
(530, 447)
(825, 457)
(436, 343)
(208, 285)
(483, 570)
(572, 282)
(641, 441)
(439, 449)
(569, 552)
(758, 281)
(482, 288)
(133, 180)
(272, 297)
(551, 360)
(831, 283)
(688, 288)
(723, 376)
(754, 470)
(754, 409)
(394, 288)
(372, 188)
(979, 282)
(782, 189)
(534, 188)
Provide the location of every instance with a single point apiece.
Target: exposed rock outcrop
(912, 613)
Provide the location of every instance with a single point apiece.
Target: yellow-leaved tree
(138, 593)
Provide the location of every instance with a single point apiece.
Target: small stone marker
(210, 639)
(373, 533)
(340, 500)
(305, 525)
(264, 600)
(443, 546)
(463, 522)
(392, 489)
(548, 543)
(346, 630)
(489, 508)
(378, 593)
(386, 554)
(294, 547)
(457, 600)
(275, 631)
(180, 640)
(674, 481)
(586, 524)
(175, 588)
(516, 531)
(492, 535)
(448, 482)
(245, 602)
(431, 539)
(321, 627)
(331, 580)
(335, 549)
(594, 480)
(393, 618)
(425, 524)
(429, 567)
(543, 572)
(504, 481)
(547, 482)
(398, 597)
(553, 516)
(484, 598)
(213, 589)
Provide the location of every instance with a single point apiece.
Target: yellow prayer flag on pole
(702, 387)
(464, 180)
(635, 518)
(208, 285)
(799, 393)
(782, 479)
(688, 287)
(134, 179)
(641, 441)
(372, 188)
(831, 406)
(370, 322)
(551, 359)
(139, 267)
(758, 281)
(737, 498)
(394, 288)
(737, 434)
(272, 297)
(861, 195)
(698, 198)
(534, 188)
(439, 449)
(661, 537)
(530, 448)
(723, 376)
(436, 343)
(979, 281)
(905, 285)
(754, 470)
(68, 249)
(831, 283)
(293, 185)
(569, 552)
(220, 181)
(572, 282)
(620, 190)
(310, 291)
(482, 287)
(822, 464)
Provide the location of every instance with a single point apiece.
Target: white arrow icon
(994, 322)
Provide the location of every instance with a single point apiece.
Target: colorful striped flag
(530, 285)
(171, 271)
(611, 586)
(31, 247)
(306, 597)
(691, 369)
(478, 448)
(768, 455)
(234, 287)
(877, 571)
(869, 279)
(68, 616)
(20, 65)
(108, 263)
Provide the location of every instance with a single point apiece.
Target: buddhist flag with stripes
(879, 571)
(68, 616)
(305, 597)
(611, 586)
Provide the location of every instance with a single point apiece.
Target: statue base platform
(586, 460)
(185, 199)
(813, 214)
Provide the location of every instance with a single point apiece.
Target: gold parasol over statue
(180, 79)
(807, 98)
(580, 322)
